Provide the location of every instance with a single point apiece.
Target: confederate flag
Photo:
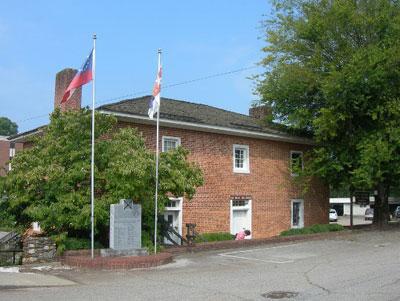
(83, 76)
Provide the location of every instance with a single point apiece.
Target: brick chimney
(63, 79)
(261, 112)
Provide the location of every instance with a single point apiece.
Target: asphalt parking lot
(364, 265)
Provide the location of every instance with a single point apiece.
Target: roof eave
(207, 128)
(25, 137)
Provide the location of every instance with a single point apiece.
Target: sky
(198, 39)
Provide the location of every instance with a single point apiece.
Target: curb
(233, 244)
(82, 260)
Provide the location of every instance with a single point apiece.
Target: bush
(74, 243)
(218, 236)
(64, 243)
(313, 229)
(147, 243)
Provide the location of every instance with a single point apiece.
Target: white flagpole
(92, 162)
(157, 155)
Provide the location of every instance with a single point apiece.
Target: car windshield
(369, 211)
(332, 211)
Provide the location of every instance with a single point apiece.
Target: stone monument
(125, 229)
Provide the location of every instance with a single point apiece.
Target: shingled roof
(195, 113)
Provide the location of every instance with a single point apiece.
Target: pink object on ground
(241, 235)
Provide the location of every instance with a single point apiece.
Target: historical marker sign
(125, 226)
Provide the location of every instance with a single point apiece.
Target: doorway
(240, 216)
(173, 216)
(297, 214)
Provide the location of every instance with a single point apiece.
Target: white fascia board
(207, 128)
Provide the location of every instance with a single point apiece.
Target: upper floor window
(12, 150)
(241, 158)
(170, 143)
(296, 162)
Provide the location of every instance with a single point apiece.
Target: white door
(240, 216)
(239, 221)
(297, 214)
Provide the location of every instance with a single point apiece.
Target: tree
(7, 127)
(50, 182)
(332, 69)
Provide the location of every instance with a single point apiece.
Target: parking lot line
(255, 259)
(267, 248)
(279, 261)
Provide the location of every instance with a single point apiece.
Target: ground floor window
(297, 214)
(240, 215)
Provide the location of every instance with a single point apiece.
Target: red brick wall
(269, 182)
(4, 156)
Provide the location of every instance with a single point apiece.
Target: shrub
(218, 236)
(64, 243)
(74, 243)
(313, 229)
(147, 243)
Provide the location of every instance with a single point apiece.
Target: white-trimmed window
(11, 154)
(170, 143)
(296, 162)
(241, 162)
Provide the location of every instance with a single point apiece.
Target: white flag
(154, 104)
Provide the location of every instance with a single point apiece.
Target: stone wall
(38, 249)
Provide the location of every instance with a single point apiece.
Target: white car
(332, 215)
(369, 214)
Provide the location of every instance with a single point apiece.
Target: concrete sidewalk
(11, 278)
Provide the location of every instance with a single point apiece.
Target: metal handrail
(13, 251)
(8, 237)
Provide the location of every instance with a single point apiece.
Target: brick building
(4, 154)
(246, 165)
(7, 151)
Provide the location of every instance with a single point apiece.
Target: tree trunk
(381, 209)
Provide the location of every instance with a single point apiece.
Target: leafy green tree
(50, 182)
(7, 127)
(333, 70)
(6, 219)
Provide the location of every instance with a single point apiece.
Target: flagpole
(92, 162)
(157, 155)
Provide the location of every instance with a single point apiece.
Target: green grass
(313, 229)
(218, 236)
